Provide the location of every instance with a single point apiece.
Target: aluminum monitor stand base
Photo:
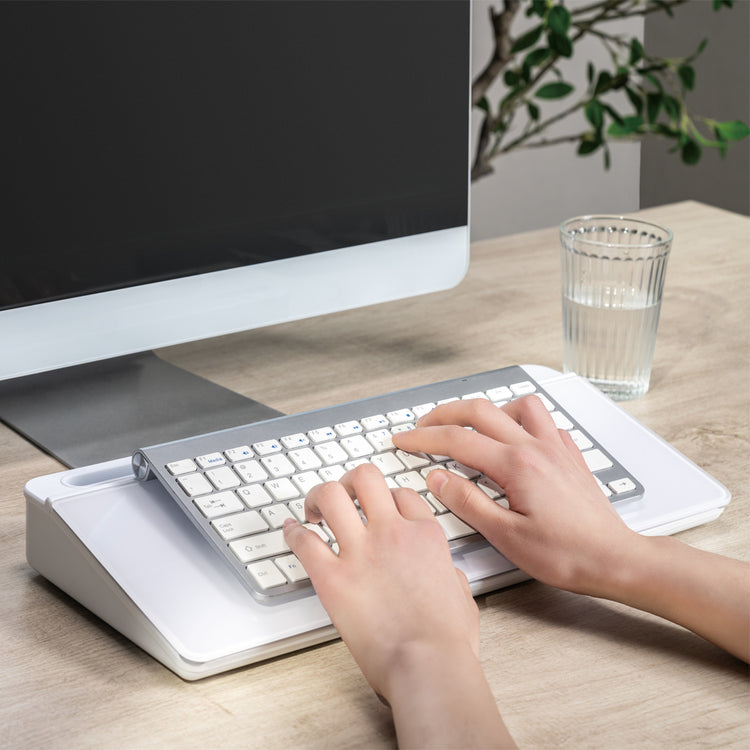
(100, 411)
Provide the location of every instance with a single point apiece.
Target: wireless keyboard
(239, 485)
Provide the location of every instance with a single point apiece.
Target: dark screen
(142, 141)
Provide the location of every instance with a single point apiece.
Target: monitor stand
(105, 410)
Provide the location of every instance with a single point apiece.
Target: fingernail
(435, 481)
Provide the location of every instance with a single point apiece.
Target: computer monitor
(174, 171)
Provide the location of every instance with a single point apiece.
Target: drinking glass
(613, 271)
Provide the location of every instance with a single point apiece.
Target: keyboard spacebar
(259, 546)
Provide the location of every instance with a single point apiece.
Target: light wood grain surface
(566, 671)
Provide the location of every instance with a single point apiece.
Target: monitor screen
(178, 170)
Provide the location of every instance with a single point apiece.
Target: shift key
(259, 546)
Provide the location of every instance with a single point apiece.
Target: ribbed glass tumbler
(613, 271)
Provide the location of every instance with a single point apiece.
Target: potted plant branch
(653, 89)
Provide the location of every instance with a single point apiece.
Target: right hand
(560, 528)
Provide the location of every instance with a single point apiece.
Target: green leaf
(636, 51)
(483, 104)
(691, 152)
(653, 105)
(595, 113)
(590, 72)
(537, 56)
(587, 147)
(671, 106)
(533, 111)
(602, 82)
(628, 126)
(558, 20)
(718, 3)
(538, 7)
(560, 44)
(529, 39)
(614, 114)
(556, 90)
(734, 130)
(635, 99)
(511, 78)
(687, 76)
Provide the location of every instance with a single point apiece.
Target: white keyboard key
(259, 546)
(402, 427)
(581, 441)
(240, 453)
(399, 416)
(470, 396)
(412, 460)
(223, 478)
(422, 409)
(266, 447)
(447, 400)
(275, 515)
(239, 524)
(292, 568)
(561, 421)
(376, 422)
(454, 527)
(298, 510)
(185, 466)
(195, 484)
(304, 459)
(387, 463)
(435, 503)
(620, 486)
(349, 465)
(219, 504)
(356, 446)
(295, 441)
(277, 465)
(596, 460)
(306, 481)
(332, 473)
(251, 471)
(380, 440)
(490, 488)
(343, 429)
(254, 496)
(502, 393)
(331, 453)
(282, 489)
(462, 470)
(548, 405)
(266, 575)
(322, 435)
(319, 531)
(209, 460)
(523, 388)
(411, 479)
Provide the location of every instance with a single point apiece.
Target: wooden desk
(566, 671)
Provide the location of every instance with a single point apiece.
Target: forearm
(443, 700)
(704, 592)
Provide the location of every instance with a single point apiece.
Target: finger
(314, 554)
(331, 502)
(411, 505)
(469, 447)
(532, 415)
(367, 484)
(478, 413)
(469, 503)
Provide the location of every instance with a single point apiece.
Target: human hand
(392, 591)
(559, 528)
